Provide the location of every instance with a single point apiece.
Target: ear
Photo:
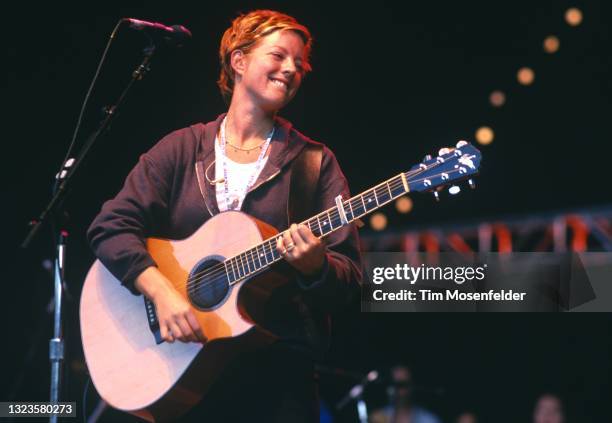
(238, 61)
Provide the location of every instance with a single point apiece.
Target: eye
(278, 55)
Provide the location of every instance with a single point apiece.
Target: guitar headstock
(452, 166)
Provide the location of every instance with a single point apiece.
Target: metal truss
(586, 230)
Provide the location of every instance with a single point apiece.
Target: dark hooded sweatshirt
(167, 195)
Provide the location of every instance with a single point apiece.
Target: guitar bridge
(152, 319)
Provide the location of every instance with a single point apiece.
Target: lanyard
(255, 170)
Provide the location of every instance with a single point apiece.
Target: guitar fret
(331, 224)
(319, 223)
(369, 194)
(309, 223)
(252, 264)
(383, 197)
(352, 213)
(259, 256)
(242, 264)
(254, 257)
(235, 269)
(246, 260)
(389, 189)
(400, 188)
(359, 214)
(226, 272)
(229, 278)
(229, 263)
(270, 245)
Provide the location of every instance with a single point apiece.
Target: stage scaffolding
(584, 230)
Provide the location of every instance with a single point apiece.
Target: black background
(391, 83)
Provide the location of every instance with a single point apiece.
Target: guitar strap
(305, 172)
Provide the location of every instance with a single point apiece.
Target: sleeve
(341, 276)
(117, 234)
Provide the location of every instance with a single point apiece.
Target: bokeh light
(497, 98)
(573, 16)
(525, 76)
(551, 44)
(485, 135)
(403, 205)
(378, 221)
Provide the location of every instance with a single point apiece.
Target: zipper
(254, 187)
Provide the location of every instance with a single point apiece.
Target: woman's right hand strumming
(175, 315)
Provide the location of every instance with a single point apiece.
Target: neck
(247, 124)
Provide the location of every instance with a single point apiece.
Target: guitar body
(133, 373)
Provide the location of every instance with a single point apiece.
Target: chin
(275, 104)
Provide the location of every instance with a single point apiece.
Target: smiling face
(271, 73)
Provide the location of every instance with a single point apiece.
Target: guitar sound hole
(208, 285)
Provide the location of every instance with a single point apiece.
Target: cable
(85, 399)
(84, 105)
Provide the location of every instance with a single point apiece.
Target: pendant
(234, 204)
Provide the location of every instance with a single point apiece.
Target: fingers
(166, 334)
(300, 237)
(301, 249)
(195, 326)
(186, 331)
(175, 331)
(184, 328)
(307, 235)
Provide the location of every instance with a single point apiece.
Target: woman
(241, 161)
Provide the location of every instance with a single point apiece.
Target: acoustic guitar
(130, 366)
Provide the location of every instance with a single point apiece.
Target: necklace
(248, 150)
(233, 205)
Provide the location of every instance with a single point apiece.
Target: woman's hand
(175, 315)
(302, 250)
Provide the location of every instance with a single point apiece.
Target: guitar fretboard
(265, 254)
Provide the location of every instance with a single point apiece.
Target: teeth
(279, 83)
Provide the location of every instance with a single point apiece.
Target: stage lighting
(403, 205)
(551, 44)
(497, 98)
(525, 76)
(484, 135)
(378, 221)
(573, 16)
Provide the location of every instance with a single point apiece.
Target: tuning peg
(436, 196)
(444, 151)
(454, 190)
(427, 158)
(472, 183)
(461, 143)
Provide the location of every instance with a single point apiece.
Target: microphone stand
(356, 393)
(54, 211)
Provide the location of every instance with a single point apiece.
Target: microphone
(174, 35)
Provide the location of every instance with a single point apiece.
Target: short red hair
(243, 35)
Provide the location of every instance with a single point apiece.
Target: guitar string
(250, 255)
(205, 283)
(221, 266)
(220, 272)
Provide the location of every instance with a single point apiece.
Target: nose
(289, 67)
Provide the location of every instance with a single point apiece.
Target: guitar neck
(263, 255)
